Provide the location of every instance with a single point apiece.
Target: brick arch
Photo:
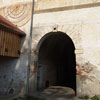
(72, 30)
(41, 36)
(40, 40)
(40, 32)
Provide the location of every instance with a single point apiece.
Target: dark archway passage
(56, 61)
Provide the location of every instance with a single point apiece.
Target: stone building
(65, 46)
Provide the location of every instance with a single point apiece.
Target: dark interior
(57, 50)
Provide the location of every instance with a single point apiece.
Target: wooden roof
(7, 25)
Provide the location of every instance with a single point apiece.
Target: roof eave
(20, 33)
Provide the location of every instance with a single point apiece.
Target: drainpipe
(29, 53)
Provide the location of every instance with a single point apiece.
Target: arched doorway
(56, 61)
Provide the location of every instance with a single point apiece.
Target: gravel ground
(51, 93)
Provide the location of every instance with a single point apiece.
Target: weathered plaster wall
(13, 73)
(81, 24)
(5, 3)
(88, 64)
(47, 4)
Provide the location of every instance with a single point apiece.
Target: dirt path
(57, 93)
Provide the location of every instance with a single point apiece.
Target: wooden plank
(9, 44)
(19, 45)
(6, 43)
(17, 38)
(9, 50)
(15, 46)
(0, 41)
(12, 47)
(13, 43)
(16, 49)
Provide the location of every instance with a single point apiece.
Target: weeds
(84, 97)
(92, 98)
(95, 98)
(25, 98)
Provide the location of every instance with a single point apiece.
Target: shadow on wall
(12, 74)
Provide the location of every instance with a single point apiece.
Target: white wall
(82, 25)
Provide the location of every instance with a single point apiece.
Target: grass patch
(92, 98)
(95, 98)
(15, 99)
(84, 97)
(25, 98)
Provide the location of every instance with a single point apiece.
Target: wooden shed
(10, 38)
